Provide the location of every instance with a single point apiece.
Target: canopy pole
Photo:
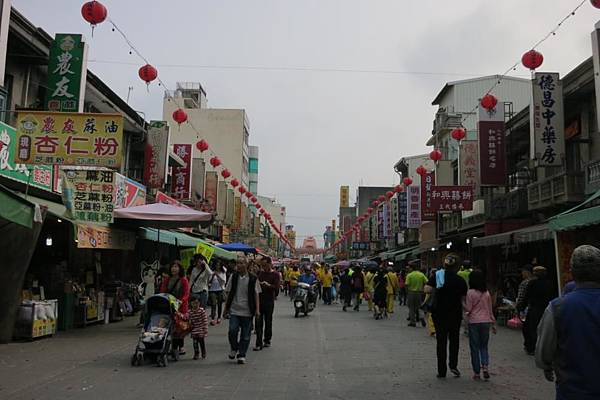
(158, 246)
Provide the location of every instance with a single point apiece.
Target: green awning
(54, 208)
(407, 253)
(577, 216)
(15, 209)
(182, 240)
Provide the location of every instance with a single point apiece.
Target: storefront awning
(15, 209)
(577, 216)
(54, 208)
(530, 234)
(407, 253)
(182, 240)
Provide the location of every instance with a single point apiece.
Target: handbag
(182, 324)
(367, 295)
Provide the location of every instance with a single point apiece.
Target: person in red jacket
(177, 285)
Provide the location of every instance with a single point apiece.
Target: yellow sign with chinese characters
(69, 139)
(206, 250)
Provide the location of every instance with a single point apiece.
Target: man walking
(568, 344)
(392, 289)
(242, 304)
(327, 283)
(269, 281)
(415, 283)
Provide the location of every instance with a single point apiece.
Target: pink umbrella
(163, 216)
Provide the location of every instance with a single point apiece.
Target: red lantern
(435, 155)
(489, 102)
(532, 59)
(375, 204)
(369, 210)
(202, 145)
(389, 194)
(398, 188)
(179, 116)
(215, 161)
(421, 170)
(595, 3)
(234, 182)
(381, 198)
(147, 73)
(242, 190)
(248, 194)
(254, 200)
(94, 12)
(458, 134)
(225, 173)
(407, 181)
(262, 211)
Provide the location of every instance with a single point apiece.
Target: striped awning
(530, 234)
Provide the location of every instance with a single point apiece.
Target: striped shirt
(199, 323)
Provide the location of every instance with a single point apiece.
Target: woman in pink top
(478, 309)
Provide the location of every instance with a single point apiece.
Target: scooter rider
(309, 278)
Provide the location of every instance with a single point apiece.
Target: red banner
(452, 198)
(181, 177)
(427, 182)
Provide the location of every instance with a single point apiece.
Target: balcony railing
(446, 121)
(592, 177)
(509, 205)
(558, 189)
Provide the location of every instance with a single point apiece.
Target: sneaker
(486, 374)
(218, 320)
(455, 372)
(267, 344)
(344, 308)
(241, 360)
(213, 322)
(440, 376)
(196, 356)
(181, 352)
(257, 348)
(232, 354)
(476, 377)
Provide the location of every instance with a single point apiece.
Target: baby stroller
(155, 339)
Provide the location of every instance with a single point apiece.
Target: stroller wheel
(162, 360)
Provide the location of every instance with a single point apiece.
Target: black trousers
(264, 323)
(327, 295)
(447, 330)
(347, 297)
(199, 341)
(530, 328)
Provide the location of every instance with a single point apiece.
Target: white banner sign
(547, 119)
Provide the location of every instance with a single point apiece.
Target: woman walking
(217, 284)
(478, 310)
(178, 285)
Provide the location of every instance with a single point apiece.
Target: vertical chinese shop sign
(413, 209)
(211, 182)
(155, 154)
(547, 119)
(427, 182)
(492, 151)
(66, 77)
(469, 164)
(89, 195)
(181, 179)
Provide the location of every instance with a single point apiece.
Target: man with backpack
(568, 344)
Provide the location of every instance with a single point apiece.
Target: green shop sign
(66, 79)
(39, 176)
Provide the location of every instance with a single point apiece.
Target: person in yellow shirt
(392, 288)
(369, 283)
(327, 283)
(286, 280)
(294, 274)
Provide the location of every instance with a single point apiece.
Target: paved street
(329, 355)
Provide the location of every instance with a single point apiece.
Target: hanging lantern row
(489, 102)
(458, 134)
(148, 73)
(435, 155)
(202, 145)
(421, 170)
(94, 12)
(179, 116)
(532, 59)
(407, 181)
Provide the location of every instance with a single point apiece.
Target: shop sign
(237, 213)
(166, 199)
(547, 119)
(222, 200)
(182, 176)
(394, 214)
(66, 77)
(155, 154)
(387, 223)
(210, 191)
(89, 195)
(69, 139)
(229, 211)
(492, 153)
(206, 250)
(413, 207)
(427, 182)
(360, 246)
(469, 162)
(452, 198)
(128, 193)
(198, 173)
(402, 209)
(344, 196)
(98, 237)
(39, 176)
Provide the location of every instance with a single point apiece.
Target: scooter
(305, 299)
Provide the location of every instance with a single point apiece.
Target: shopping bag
(515, 323)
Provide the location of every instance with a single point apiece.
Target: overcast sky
(318, 130)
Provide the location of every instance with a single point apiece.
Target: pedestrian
(199, 278)
(242, 305)
(449, 291)
(293, 275)
(177, 285)
(216, 288)
(286, 280)
(415, 284)
(269, 281)
(392, 289)
(358, 286)
(369, 286)
(327, 282)
(465, 271)
(346, 288)
(568, 344)
(335, 289)
(526, 278)
(539, 293)
(199, 325)
(480, 317)
(402, 294)
(380, 292)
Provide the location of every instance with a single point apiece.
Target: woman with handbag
(178, 286)
(478, 310)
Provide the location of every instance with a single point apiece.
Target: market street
(328, 355)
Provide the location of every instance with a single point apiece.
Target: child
(199, 325)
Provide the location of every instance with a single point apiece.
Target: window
(253, 168)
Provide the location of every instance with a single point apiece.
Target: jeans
(202, 297)
(327, 295)
(447, 330)
(216, 304)
(264, 319)
(239, 327)
(415, 299)
(479, 336)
